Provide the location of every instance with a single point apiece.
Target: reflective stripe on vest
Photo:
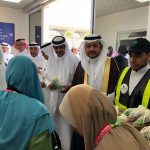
(122, 107)
(146, 96)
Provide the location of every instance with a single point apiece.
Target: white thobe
(2, 77)
(53, 101)
(25, 53)
(7, 57)
(135, 77)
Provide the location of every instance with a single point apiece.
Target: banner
(7, 33)
(38, 34)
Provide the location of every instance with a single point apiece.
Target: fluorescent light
(142, 1)
(13, 1)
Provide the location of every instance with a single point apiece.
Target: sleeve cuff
(47, 83)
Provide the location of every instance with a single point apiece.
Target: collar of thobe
(93, 61)
(24, 51)
(60, 58)
(7, 53)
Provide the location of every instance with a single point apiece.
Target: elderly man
(21, 47)
(36, 56)
(133, 87)
(61, 68)
(7, 52)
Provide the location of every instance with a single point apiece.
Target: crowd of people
(51, 99)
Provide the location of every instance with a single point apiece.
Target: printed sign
(38, 34)
(7, 33)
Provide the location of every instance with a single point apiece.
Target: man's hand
(51, 86)
(39, 71)
(43, 84)
(65, 88)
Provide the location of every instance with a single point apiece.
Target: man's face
(34, 51)
(60, 50)
(20, 46)
(75, 51)
(138, 61)
(5, 49)
(93, 49)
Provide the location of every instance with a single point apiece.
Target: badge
(124, 88)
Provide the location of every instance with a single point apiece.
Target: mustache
(92, 52)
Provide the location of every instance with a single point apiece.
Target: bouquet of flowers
(57, 83)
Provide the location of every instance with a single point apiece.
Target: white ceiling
(105, 7)
(23, 4)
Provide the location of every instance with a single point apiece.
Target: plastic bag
(122, 118)
(136, 113)
(146, 133)
(57, 84)
(142, 121)
(128, 111)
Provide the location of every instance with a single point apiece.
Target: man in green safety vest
(133, 88)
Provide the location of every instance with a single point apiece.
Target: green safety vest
(146, 95)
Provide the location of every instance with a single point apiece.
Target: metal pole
(93, 10)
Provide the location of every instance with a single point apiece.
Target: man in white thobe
(21, 47)
(61, 68)
(36, 56)
(6, 48)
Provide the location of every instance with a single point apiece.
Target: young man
(61, 68)
(21, 47)
(7, 52)
(95, 68)
(133, 87)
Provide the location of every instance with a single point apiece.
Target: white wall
(20, 19)
(148, 25)
(108, 26)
